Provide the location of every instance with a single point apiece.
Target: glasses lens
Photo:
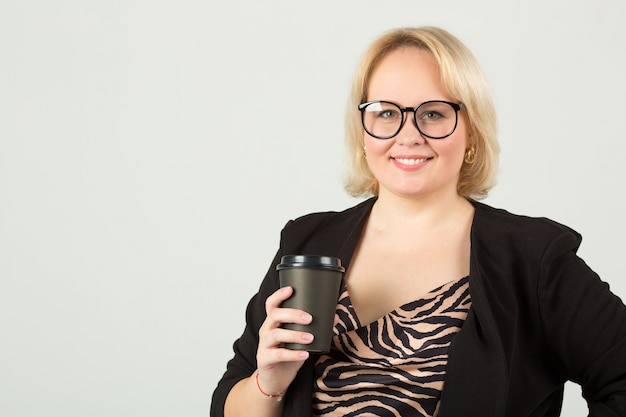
(381, 119)
(436, 119)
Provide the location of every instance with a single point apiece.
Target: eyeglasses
(434, 119)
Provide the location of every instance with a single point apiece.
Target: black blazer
(539, 316)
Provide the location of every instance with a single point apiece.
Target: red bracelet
(278, 397)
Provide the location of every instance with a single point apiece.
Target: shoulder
(499, 227)
(325, 232)
(330, 219)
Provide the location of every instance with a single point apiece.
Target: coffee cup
(316, 281)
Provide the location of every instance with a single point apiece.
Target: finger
(281, 355)
(273, 332)
(277, 298)
(278, 336)
(289, 315)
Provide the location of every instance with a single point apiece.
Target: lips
(410, 161)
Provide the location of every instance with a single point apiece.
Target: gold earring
(470, 155)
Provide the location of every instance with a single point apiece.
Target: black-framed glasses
(436, 119)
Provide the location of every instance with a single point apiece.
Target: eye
(388, 114)
(430, 116)
(434, 112)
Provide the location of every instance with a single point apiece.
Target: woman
(449, 307)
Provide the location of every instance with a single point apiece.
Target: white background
(151, 151)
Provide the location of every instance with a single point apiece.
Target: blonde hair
(464, 80)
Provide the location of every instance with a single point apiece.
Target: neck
(397, 212)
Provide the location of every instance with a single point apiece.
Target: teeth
(410, 161)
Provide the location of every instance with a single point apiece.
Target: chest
(388, 272)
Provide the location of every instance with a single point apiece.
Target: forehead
(407, 76)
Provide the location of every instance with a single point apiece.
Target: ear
(471, 139)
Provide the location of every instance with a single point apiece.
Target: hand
(278, 366)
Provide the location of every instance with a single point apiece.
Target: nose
(409, 134)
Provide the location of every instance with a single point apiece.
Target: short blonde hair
(465, 82)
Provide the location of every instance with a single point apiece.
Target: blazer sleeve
(585, 325)
(243, 364)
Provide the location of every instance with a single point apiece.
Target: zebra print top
(394, 366)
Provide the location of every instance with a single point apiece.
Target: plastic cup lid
(310, 261)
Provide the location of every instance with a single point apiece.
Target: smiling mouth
(411, 161)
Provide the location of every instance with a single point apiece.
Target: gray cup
(315, 281)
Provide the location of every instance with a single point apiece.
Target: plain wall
(151, 151)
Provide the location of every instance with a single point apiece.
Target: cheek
(445, 146)
(457, 143)
(376, 146)
(452, 151)
(368, 141)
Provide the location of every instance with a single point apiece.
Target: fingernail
(307, 337)
(306, 317)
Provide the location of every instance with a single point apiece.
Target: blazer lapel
(476, 360)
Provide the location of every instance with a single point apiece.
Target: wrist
(277, 397)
